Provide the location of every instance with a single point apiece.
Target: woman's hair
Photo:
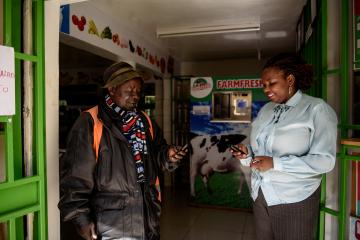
(293, 64)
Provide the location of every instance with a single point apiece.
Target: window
(231, 106)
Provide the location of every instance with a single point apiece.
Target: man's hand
(87, 231)
(176, 153)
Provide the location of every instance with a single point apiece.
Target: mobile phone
(254, 161)
(236, 149)
(183, 148)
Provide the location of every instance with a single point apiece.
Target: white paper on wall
(7, 81)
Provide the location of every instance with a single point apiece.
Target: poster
(216, 178)
(7, 81)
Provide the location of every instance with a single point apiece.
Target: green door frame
(23, 195)
(320, 90)
(344, 125)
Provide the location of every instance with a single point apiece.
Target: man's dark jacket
(106, 191)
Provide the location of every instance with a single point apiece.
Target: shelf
(351, 141)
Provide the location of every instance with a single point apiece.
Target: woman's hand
(239, 151)
(262, 163)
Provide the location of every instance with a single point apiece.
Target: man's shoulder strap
(150, 124)
(98, 127)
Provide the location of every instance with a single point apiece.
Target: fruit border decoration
(106, 33)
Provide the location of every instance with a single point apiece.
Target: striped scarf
(134, 131)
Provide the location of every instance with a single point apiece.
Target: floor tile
(208, 234)
(180, 221)
(248, 237)
(222, 220)
(249, 225)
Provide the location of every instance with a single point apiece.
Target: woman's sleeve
(76, 172)
(322, 153)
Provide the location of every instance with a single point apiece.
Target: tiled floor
(179, 221)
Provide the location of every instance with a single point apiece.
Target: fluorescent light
(64, 2)
(204, 30)
(242, 36)
(275, 34)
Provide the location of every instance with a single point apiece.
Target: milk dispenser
(221, 112)
(231, 106)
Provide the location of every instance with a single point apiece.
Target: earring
(290, 90)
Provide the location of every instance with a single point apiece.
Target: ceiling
(277, 20)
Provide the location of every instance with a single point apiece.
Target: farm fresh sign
(226, 84)
(7, 81)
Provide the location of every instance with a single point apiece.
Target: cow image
(211, 154)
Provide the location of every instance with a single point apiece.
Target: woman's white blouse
(301, 141)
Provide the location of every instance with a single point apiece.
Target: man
(108, 188)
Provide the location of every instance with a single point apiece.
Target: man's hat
(118, 73)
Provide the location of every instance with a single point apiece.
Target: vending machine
(221, 112)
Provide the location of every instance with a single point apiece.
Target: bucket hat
(118, 73)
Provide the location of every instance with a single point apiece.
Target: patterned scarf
(278, 110)
(134, 131)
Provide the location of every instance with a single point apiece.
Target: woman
(292, 143)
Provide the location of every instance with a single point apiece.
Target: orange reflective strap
(157, 185)
(98, 127)
(157, 181)
(150, 124)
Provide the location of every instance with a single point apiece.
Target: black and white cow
(211, 154)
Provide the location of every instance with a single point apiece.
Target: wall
(235, 67)
(52, 10)
(333, 93)
(333, 53)
(131, 44)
